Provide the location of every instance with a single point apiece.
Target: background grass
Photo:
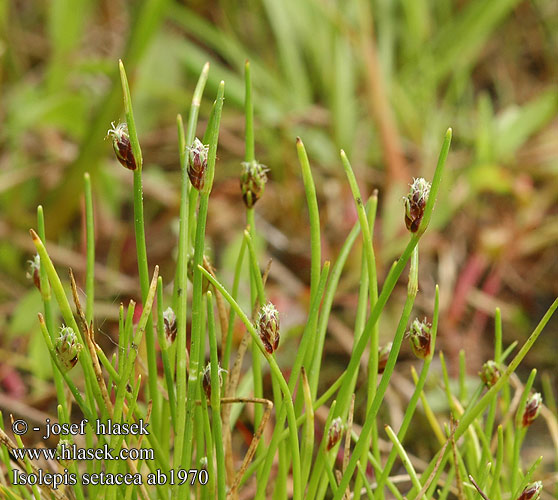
(380, 79)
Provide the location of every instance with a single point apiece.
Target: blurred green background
(381, 79)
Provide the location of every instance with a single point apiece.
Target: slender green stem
(384, 382)
(210, 487)
(404, 458)
(321, 455)
(314, 215)
(141, 247)
(369, 260)
(305, 345)
(116, 442)
(250, 157)
(163, 345)
(65, 309)
(47, 308)
(29, 469)
(276, 372)
(234, 293)
(63, 418)
(122, 388)
(411, 406)
(124, 339)
(315, 362)
(364, 480)
(489, 423)
(495, 488)
(183, 446)
(108, 366)
(303, 348)
(520, 430)
(363, 219)
(256, 290)
(307, 442)
(90, 239)
(185, 138)
(216, 401)
(195, 107)
(181, 278)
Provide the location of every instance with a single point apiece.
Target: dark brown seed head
(34, 271)
(67, 348)
(121, 145)
(252, 182)
(206, 379)
(383, 355)
(169, 319)
(490, 373)
(415, 202)
(532, 409)
(419, 335)
(268, 327)
(334, 433)
(197, 163)
(532, 492)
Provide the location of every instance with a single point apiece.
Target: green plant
(191, 424)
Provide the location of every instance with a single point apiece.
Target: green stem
(141, 248)
(63, 418)
(303, 348)
(47, 307)
(90, 239)
(404, 458)
(181, 278)
(183, 447)
(317, 470)
(384, 382)
(411, 406)
(65, 309)
(216, 401)
(185, 139)
(315, 362)
(369, 260)
(236, 282)
(163, 344)
(256, 291)
(276, 372)
(314, 215)
(122, 388)
(307, 443)
(520, 430)
(495, 487)
(210, 487)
